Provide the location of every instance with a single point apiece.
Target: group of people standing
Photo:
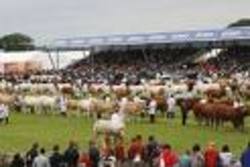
(137, 153)
(170, 111)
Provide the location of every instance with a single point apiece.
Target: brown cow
(121, 91)
(73, 104)
(217, 113)
(67, 90)
(7, 98)
(95, 89)
(161, 102)
(214, 93)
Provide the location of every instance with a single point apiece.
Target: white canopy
(65, 58)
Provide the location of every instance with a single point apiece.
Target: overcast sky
(46, 20)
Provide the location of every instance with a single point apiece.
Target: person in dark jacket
(152, 150)
(32, 154)
(245, 157)
(71, 155)
(94, 154)
(17, 161)
(56, 159)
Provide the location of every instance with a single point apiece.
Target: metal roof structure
(235, 34)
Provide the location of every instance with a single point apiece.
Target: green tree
(1, 47)
(16, 42)
(240, 23)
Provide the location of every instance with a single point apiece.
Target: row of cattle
(138, 95)
(213, 112)
(121, 90)
(142, 94)
(216, 112)
(90, 105)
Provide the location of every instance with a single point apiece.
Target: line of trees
(16, 42)
(240, 23)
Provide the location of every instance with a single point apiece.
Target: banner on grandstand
(227, 34)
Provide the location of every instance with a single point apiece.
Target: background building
(34, 61)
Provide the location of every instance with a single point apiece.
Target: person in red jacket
(211, 156)
(119, 152)
(84, 160)
(131, 149)
(168, 157)
(136, 151)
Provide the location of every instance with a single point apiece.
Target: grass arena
(24, 129)
(50, 128)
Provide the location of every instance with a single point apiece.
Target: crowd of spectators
(135, 64)
(138, 153)
(232, 59)
(132, 65)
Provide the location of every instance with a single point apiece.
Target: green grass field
(23, 130)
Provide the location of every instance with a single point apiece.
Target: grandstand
(132, 57)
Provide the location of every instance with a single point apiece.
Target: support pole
(145, 56)
(83, 54)
(51, 60)
(92, 65)
(57, 60)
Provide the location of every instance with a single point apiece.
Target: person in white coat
(4, 113)
(41, 160)
(171, 102)
(152, 110)
(62, 105)
(225, 156)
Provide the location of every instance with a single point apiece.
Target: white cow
(177, 88)
(115, 126)
(136, 89)
(87, 105)
(204, 87)
(39, 103)
(36, 87)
